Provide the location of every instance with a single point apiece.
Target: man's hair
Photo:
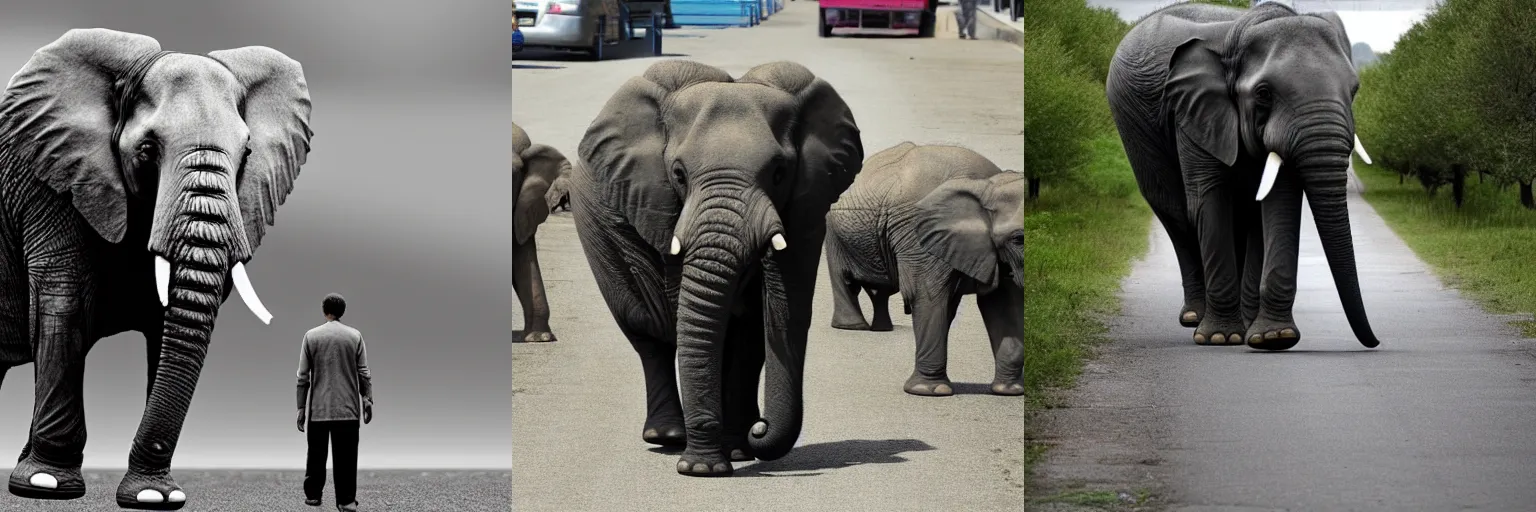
(334, 305)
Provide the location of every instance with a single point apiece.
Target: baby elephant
(539, 175)
(935, 223)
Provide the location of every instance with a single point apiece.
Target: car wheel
(925, 27)
(597, 48)
(821, 24)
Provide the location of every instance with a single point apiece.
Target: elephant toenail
(943, 389)
(1255, 339)
(1218, 338)
(1199, 338)
(177, 496)
(1287, 333)
(1270, 335)
(722, 467)
(650, 433)
(150, 496)
(682, 466)
(44, 481)
(701, 468)
(760, 429)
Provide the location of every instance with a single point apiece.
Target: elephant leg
(51, 467)
(529, 283)
(933, 310)
(845, 292)
(1003, 313)
(663, 409)
(1186, 247)
(880, 301)
(1159, 178)
(1274, 328)
(1211, 198)
(743, 365)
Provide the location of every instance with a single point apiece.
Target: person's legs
(968, 25)
(314, 463)
(344, 450)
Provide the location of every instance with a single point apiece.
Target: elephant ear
(831, 150)
(953, 225)
(58, 115)
(276, 109)
(1197, 97)
(542, 167)
(520, 141)
(622, 148)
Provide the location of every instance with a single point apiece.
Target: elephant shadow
(971, 388)
(836, 454)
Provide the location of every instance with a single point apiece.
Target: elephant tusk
(677, 246)
(1271, 171)
(778, 242)
(1361, 149)
(248, 294)
(163, 279)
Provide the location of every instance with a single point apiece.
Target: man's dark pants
(342, 435)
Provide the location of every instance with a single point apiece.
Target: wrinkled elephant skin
(934, 223)
(703, 223)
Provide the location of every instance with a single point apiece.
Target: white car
(560, 24)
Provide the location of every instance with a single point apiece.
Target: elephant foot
(538, 336)
(859, 325)
(139, 491)
(697, 465)
(1271, 335)
(740, 451)
(924, 386)
(1217, 331)
(882, 325)
(1191, 315)
(33, 479)
(665, 435)
(1008, 388)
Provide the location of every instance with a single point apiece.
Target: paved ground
(1440, 417)
(282, 491)
(578, 403)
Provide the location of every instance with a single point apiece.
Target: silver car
(566, 24)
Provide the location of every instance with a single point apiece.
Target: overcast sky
(1375, 22)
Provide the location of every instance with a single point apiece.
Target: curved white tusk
(778, 242)
(1271, 171)
(248, 294)
(677, 246)
(163, 279)
(1361, 149)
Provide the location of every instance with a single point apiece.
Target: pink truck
(899, 17)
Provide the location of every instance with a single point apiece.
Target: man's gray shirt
(333, 373)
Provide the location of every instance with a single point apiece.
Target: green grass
(1079, 240)
(1485, 249)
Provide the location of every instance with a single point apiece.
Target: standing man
(335, 390)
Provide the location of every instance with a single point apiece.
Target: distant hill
(1363, 56)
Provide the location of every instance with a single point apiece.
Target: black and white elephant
(935, 223)
(134, 186)
(1217, 106)
(541, 177)
(700, 201)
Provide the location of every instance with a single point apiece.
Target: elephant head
(543, 185)
(729, 177)
(1280, 88)
(189, 155)
(977, 226)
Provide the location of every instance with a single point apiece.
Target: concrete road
(1442, 416)
(578, 403)
(283, 491)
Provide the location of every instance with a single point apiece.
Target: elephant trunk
(726, 226)
(197, 241)
(784, 369)
(1323, 163)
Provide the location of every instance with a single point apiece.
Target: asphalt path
(578, 403)
(1442, 416)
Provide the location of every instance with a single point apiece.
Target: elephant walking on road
(935, 223)
(135, 184)
(541, 177)
(701, 205)
(1217, 105)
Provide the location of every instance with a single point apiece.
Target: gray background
(403, 207)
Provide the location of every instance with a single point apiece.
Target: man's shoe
(350, 507)
(312, 503)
